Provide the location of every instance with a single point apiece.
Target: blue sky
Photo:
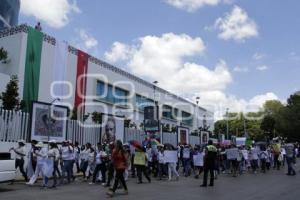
(258, 65)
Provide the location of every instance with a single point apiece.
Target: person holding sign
(198, 162)
(171, 157)
(209, 163)
(140, 165)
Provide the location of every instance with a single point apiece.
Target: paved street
(273, 185)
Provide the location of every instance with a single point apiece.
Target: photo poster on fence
(204, 137)
(171, 156)
(48, 122)
(112, 128)
(183, 135)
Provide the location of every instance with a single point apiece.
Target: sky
(233, 54)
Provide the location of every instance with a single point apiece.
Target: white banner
(170, 156)
(60, 69)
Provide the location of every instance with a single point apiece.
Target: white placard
(170, 156)
(198, 159)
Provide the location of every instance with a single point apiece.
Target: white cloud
(218, 101)
(85, 41)
(240, 69)
(258, 56)
(262, 67)
(119, 52)
(165, 59)
(192, 5)
(236, 26)
(88, 40)
(54, 13)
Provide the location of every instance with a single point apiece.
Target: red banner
(81, 79)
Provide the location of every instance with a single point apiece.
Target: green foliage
(97, 117)
(10, 98)
(288, 121)
(3, 54)
(74, 114)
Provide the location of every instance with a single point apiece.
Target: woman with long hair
(119, 160)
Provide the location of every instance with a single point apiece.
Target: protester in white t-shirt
(41, 154)
(20, 152)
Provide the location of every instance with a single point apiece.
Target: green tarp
(32, 67)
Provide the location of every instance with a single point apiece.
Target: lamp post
(197, 102)
(156, 103)
(227, 125)
(49, 119)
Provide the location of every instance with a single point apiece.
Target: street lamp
(197, 102)
(227, 125)
(49, 119)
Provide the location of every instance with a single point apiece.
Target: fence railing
(15, 125)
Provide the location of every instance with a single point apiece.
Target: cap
(40, 144)
(52, 141)
(21, 141)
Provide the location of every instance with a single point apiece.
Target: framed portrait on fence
(112, 128)
(48, 122)
(183, 135)
(204, 137)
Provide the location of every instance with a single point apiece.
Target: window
(141, 102)
(169, 112)
(111, 94)
(187, 118)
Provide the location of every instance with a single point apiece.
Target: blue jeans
(290, 162)
(67, 168)
(186, 166)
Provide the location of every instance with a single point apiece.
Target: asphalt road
(273, 185)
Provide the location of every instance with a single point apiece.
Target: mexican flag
(32, 67)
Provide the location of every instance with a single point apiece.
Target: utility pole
(227, 124)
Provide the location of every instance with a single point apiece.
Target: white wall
(16, 46)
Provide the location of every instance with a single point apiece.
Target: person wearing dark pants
(119, 160)
(209, 164)
(141, 169)
(290, 159)
(100, 165)
(20, 154)
(67, 158)
(110, 174)
(140, 165)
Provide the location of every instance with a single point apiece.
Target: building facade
(9, 13)
(88, 83)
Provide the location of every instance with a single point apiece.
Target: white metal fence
(14, 125)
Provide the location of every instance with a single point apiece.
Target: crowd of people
(112, 164)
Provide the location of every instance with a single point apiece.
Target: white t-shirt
(42, 157)
(254, 154)
(161, 158)
(245, 154)
(53, 154)
(99, 156)
(84, 155)
(67, 153)
(186, 153)
(20, 150)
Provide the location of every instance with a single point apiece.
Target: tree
(10, 98)
(268, 125)
(272, 107)
(289, 121)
